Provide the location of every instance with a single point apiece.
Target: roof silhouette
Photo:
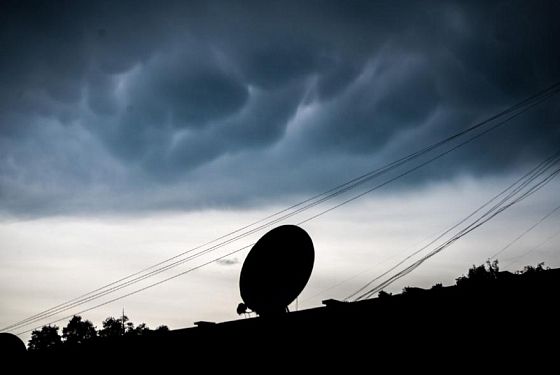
(515, 313)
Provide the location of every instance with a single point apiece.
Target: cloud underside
(107, 106)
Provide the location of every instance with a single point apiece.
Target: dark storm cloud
(148, 105)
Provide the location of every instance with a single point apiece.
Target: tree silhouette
(78, 331)
(531, 270)
(162, 329)
(140, 330)
(480, 274)
(46, 338)
(115, 327)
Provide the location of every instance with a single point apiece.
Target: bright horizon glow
(67, 256)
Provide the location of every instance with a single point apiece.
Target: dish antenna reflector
(11, 347)
(276, 270)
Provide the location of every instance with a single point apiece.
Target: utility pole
(123, 329)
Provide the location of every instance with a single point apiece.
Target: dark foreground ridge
(512, 317)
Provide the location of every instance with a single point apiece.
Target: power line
(516, 258)
(182, 273)
(513, 188)
(143, 277)
(447, 244)
(354, 276)
(450, 242)
(141, 289)
(499, 207)
(525, 232)
(530, 102)
(539, 167)
(429, 161)
(520, 107)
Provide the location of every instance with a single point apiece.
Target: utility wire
(311, 202)
(173, 277)
(513, 188)
(529, 177)
(141, 289)
(181, 261)
(450, 242)
(489, 215)
(534, 171)
(525, 232)
(516, 258)
(534, 100)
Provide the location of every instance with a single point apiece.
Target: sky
(132, 131)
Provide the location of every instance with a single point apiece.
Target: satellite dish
(11, 346)
(276, 270)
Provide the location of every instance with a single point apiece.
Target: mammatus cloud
(135, 105)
